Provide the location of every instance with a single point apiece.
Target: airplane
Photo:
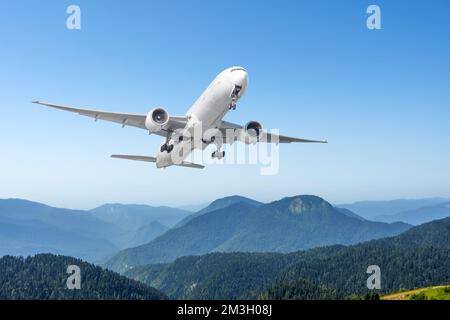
(205, 116)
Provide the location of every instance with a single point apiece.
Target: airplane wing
(232, 132)
(125, 119)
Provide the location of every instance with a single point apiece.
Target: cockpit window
(236, 69)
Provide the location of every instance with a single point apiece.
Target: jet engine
(253, 131)
(156, 120)
(253, 128)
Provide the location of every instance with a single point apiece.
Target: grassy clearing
(430, 293)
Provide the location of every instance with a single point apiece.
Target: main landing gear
(218, 154)
(167, 147)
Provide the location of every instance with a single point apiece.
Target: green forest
(44, 277)
(417, 258)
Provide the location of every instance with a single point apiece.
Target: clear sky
(381, 97)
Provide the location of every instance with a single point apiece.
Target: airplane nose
(244, 79)
(241, 79)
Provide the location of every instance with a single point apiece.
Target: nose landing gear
(234, 97)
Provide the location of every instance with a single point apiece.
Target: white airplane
(204, 116)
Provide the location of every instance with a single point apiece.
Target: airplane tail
(153, 159)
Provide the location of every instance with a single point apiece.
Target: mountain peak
(227, 201)
(221, 204)
(306, 203)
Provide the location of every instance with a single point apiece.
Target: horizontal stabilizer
(135, 158)
(153, 159)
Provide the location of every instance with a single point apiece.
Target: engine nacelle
(253, 128)
(253, 131)
(157, 120)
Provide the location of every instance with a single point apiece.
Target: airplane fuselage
(206, 113)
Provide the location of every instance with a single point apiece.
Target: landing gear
(218, 154)
(234, 97)
(167, 147)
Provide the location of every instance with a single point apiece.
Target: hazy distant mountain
(194, 207)
(416, 258)
(219, 204)
(28, 228)
(372, 209)
(419, 216)
(43, 277)
(147, 233)
(133, 216)
(290, 224)
(350, 213)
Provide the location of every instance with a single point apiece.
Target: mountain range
(371, 210)
(298, 247)
(28, 228)
(416, 258)
(162, 234)
(240, 224)
(134, 216)
(420, 215)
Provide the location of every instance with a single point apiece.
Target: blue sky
(381, 97)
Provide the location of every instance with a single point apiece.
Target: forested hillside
(287, 225)
(419, 257)
(44, 277)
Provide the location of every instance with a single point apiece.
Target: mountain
(372, 209)
(43, 277)
(220, 204)
(22, 237)
(194, 207)
(418, 257)
(287, 225)
(421, 215)
(27, 228)
(134, 216)
(350, 214)
(147, 233)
